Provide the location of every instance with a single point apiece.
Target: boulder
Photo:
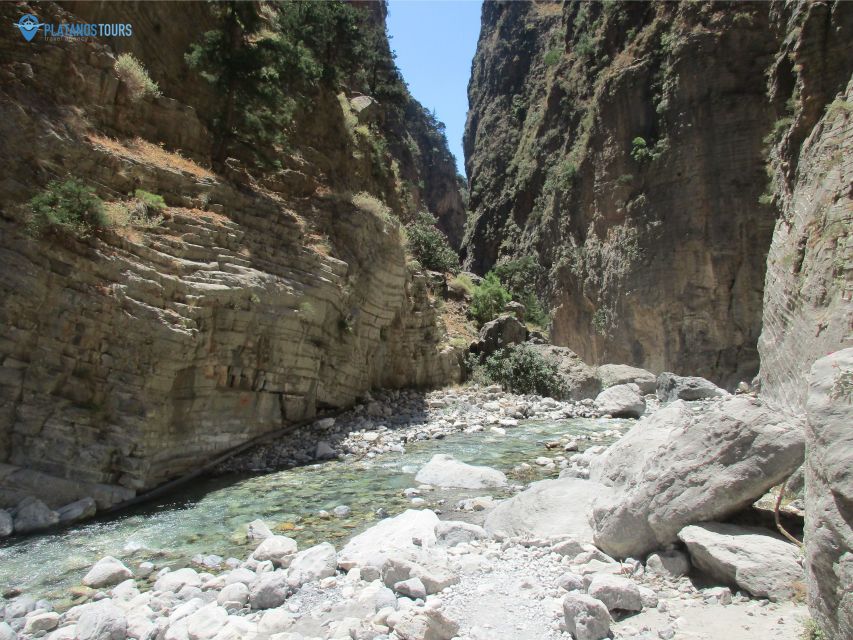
(425, 624)
(621, 401)
(314, 563)
(755, 560)
(435, 576)
(447, 472)
(41, 622)
(101, 621)
(234, 592)
(174, 581)
(517, 309)
(616, 374)
(258, 530)
(449, 533)
(670, 563)
(398, 534)
(365, 108)
(715, 463)
(6, 524)
(269, 590)
(7, 632)
(580, 381)
(586, 618)
(674, 387)
(77, 510)
(32, 514)
(411, 588)
(829, 494)
(277, 549)
(616, 592)
(499, 333)
(206, 623)
(106, 572)
(548, 508)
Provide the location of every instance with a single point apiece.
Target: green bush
(134, 75)
(429, 246)
(66, 205)
(519, 277)
(488, 299)
(521, 369)
(150, 200)
(552, 57)
(461, 284)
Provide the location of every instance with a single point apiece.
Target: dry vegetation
(143, 151)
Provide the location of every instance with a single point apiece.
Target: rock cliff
(257, 297)
(624, 145)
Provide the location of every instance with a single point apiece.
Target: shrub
(461, 284)
(429, 246)
(521, 369)
(552, 57)
(373, 205)
(133, 74)
(67, 205)
(150, 200)
(519, 277)
(488, 299)
(642, 152)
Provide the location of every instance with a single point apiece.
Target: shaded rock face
(622, 145)
(807, 297)
(829, 494)
(129, 357)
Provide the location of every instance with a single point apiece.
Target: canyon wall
(257, 298)
(624, 145)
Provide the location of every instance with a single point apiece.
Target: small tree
(521, 369)
(488, 299)
(429, 246)
(67, 205)
(133, 74)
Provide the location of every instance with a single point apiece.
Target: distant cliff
(627, 147)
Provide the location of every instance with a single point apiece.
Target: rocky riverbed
(492, 533)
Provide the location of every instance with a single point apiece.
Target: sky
(435, 42)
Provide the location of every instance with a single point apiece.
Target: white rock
(412, 588)
(275, 621)
(450, 533)
(765, 565)
(106, 572)
(258, 530)
(447, 472)
(6, 632)
(690, 466)
(176, 580)
(46, 621)
(277, 549)
(269, 590)
(205, 623)
(319, 561)
(621, 401)
(426, 624)
(586, 618)
(613, 374)
(235, 592)
(668, 563)
(548, 508)
(397, 534)
(101, 621)
(616, 592)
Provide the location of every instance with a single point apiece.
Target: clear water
(212, 515)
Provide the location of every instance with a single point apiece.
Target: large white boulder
(615, 374)
(277, 549)
(707, 466)
(269, 590)
(448, 472)
(314, 563)
(674, 387)
(755, 560)
(586, 618)
(101, 621)
(616, 592)
(548, 508)
(829, 494)
(621, 401)
(106, 572)
(177, 580)
(409, 532)
(425, 624)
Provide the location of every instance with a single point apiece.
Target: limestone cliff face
(808, 295)
(622, 144)
(135, 354)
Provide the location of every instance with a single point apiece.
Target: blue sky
(435, 42)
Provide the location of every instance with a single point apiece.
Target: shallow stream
(211, 516)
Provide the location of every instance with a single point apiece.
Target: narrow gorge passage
(435, 320)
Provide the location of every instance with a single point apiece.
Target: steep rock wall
(129, 357)
(808, 295)
(622, 145)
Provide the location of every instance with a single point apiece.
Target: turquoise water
(211, 517)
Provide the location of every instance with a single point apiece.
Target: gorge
(236, 251)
